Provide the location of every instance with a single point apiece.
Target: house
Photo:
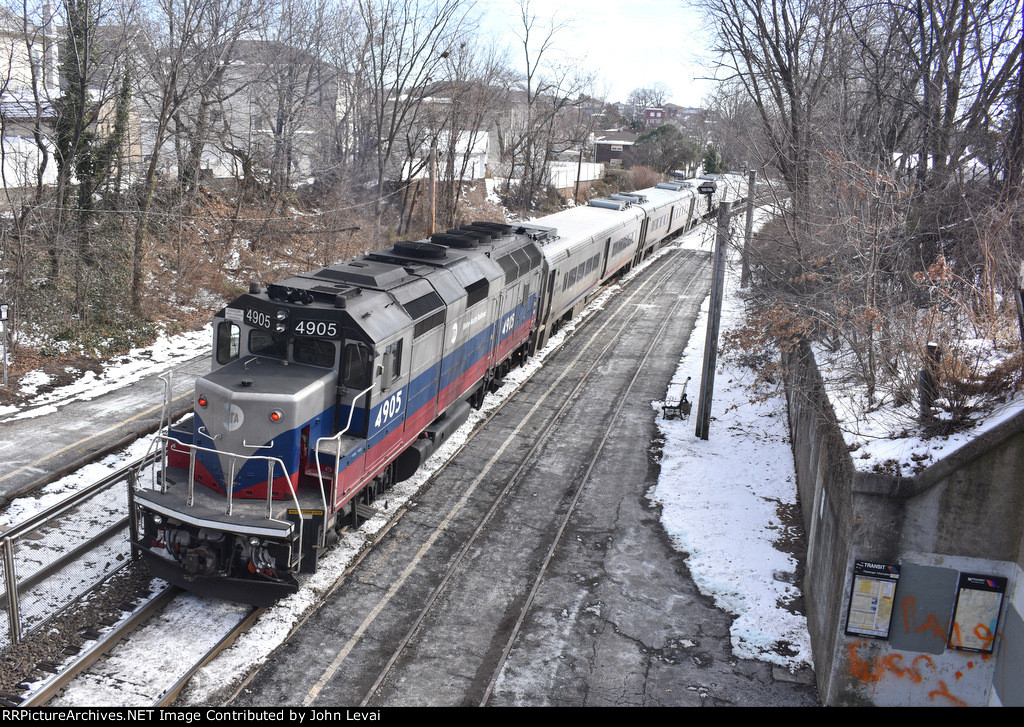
(470, 149)
(654, 117)
(611, 146)
(27, 85)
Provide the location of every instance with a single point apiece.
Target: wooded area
(153, 149)
(893, 133)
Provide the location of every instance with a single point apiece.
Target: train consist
(328, 387)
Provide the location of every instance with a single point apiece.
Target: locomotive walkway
(533, 570)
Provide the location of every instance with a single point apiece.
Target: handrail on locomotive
(335, 475)
(166, 440)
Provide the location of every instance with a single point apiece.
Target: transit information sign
(871, 599)
(979, 601)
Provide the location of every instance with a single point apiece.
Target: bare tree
(640, 99)
(547, 89)
(784, 56)
(478, 90)
(407, 44)
(178, 33)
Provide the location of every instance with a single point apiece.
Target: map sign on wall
(871, 599)
(979, 601)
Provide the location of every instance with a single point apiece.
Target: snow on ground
(139, 363)
(720, 498)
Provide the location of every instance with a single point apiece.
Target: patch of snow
(720, 498)
(138, 364)
(889, 438)
(31, 382)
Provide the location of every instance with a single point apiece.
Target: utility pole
(433, 183)
(707, 379)
(1018, 297)
(4, 307)
(749, 235)
(579, 168)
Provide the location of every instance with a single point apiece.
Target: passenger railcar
(328, 387)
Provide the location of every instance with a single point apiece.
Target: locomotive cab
(240, 495)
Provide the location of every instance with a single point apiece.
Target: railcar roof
(582, 223)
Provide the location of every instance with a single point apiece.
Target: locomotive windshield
(266, 343)
(313, 351)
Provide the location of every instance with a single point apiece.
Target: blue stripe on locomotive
(285, 446)
(425, 387)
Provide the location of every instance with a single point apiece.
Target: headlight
(275, 416)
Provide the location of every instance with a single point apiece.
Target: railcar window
(358, 365)
(313, 351)
(229, 342)
(265, 343)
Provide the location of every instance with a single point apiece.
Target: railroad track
(608, 331)
(181, 669)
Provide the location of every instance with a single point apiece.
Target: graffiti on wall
(920, 671)
(944, 628)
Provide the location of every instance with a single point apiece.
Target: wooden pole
(749, 234)
(707, 379)
(433, 185)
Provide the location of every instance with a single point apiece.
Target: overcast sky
(629, 44)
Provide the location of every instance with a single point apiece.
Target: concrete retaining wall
(963, 515)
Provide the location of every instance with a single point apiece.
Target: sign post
(4, 307)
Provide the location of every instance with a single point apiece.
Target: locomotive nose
(258, 412)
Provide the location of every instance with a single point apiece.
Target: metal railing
(164, 440)
(336, 438)
(272, 462)
(42, 556)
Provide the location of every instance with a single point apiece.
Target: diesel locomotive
(326, 388)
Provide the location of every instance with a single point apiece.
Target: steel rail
(102, 647)
(542, 571)
(244, 624)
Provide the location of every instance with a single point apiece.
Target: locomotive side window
(265, 343)
(314, 351)
(357, 366)
(392, 364)
(229, 342)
